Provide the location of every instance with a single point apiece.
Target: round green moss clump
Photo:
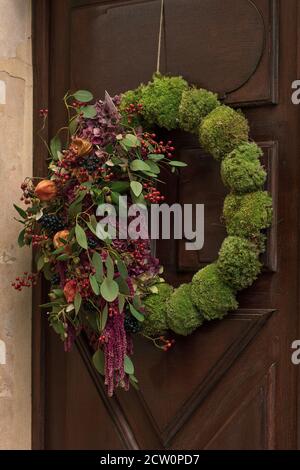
(182, 316)
(211, 295)
(247, 215)
(161, 99)
(241, 169)
(195, 105)
(155, 322)
(238, 262)
(223, 130)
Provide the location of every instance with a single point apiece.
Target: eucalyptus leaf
(155, 157)
(136, 188)
(128, 366)
(177, 164)
(55, 147)
(104, 316)
(94, 284)
(153, 167)
(81, 237)
(110, 269)
(98, 265)
(123, 286)
(99, 361)
(77, 302)
(139, 165)
(122, 269)
(121, 299)
(83, 96)
(109, 290)
(136, 314)
(88, 112)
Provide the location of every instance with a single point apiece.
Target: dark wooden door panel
(231, 385)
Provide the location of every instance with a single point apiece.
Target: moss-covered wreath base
(170, 103)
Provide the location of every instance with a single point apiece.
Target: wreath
(112, 289)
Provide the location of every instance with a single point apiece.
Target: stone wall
(15, 164)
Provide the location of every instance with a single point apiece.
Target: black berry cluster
(91, 163)
(131, 324)
(51, 223)
(55, 280)
(92, 243)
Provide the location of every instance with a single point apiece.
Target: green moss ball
(155, 322)
(195, 105)
(247, 215)
(211, 295)
(182, 316)
(223, 130)
(242, 171)
(238, 262)
(161, 99)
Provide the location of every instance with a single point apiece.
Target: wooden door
(231, 385)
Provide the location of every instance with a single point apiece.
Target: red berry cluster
(102, 339)
(28, 190)
(140, 251)
(113, 310)
(28, 280)
(133, 110)
(160, 148)
(44, 112)
(38, 239)
(166, 343)
(153, 195)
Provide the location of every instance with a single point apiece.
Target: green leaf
(130, 141)
(59, 293)
(40, 263)
(104, 317)
(98, 265)
(77, 302)
(128, 366)
(123, 286)
(20, 211)
(139, 165)
(122, 269)
(110, 269)
(63, 257)
(136, 188)
(176, 163)
(99, 361)
(94, 284)
(73, 126)
(81, 237)
(156, 157)
(55, 147)
(119, 186)
(83, 96)
(153, 167)
(76, 206)
(109, 290)
(58, 327)
(21, 241)
(136, 314)
(121, 302)
(88, 112)
(133, 383)
(98, 196)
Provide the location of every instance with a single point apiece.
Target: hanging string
(160, 35)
